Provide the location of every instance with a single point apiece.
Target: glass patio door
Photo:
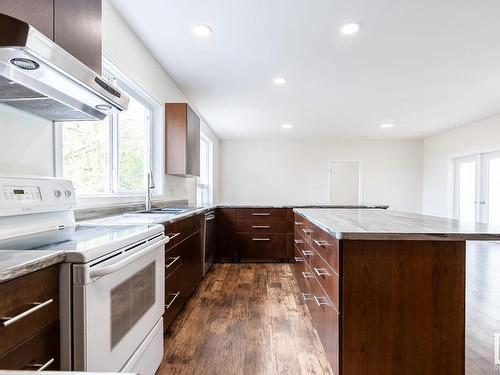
(477, 188)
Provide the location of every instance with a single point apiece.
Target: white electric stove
(112, 281)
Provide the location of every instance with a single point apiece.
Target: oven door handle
(103, 271)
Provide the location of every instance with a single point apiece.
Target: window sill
(103, 200)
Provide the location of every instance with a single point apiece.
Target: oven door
(114, 310)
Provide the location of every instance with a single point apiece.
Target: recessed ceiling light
(350, 28)
(279, 81)
(286, 126)
(202, 30)
(387, 125)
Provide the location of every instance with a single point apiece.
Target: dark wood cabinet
(182, 140)
(77, 29)
(29, 331)
(383, 306)
(38, 13)
(75, 25)
(254, 234)
(183, 264)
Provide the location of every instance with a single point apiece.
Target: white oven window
(130, 300)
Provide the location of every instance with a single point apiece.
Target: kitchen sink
(166, 210)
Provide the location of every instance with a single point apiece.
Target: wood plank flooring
(483, 306)
(244, 319)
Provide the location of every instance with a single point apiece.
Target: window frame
(153, 147)
(209, 186)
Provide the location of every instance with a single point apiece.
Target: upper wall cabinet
(182, 140)
(75, 25)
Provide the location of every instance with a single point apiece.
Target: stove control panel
(21, 195)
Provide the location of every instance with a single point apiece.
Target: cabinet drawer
(298, 266)
(174, 258)
(37, 353)
(327, 248)
(325, 320)
(182, 229)
(176, 295)
(27, 305)
(262, 226)
(261, 214)
(261, 246)
(327, 278)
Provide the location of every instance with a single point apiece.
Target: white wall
(439, 152)
(26, 142)
(256, 171)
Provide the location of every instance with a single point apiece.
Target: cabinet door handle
(42, 366)
(8, 320)
(261, 226)
(261, 214)
(298, 242)
(307, 253)
(261, 239)
(308, 275)
(298, 223)
(307, 296)
(298, 259)
(174, 259)
(175, 295)
(307, 231)
(171, 236)
(321, 271)
(319, 303)
(321, 243)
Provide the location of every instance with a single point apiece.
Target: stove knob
(68, 193)
(57, 193)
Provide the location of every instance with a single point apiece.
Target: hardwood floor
(483, 306)
(244, 319)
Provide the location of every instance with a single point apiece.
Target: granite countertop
(361, 224)
(299, 205)
(15, 263)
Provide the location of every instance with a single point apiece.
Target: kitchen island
(385, 289)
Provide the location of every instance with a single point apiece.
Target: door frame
(360, 178)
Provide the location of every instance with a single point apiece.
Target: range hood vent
(39, 77)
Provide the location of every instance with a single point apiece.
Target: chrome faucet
(151, 185)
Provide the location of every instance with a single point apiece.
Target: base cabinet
(29, 333)
(254, 234)
(383, 306)
(183, 265)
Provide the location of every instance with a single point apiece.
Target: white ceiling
(426, 65)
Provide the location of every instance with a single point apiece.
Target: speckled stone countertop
(362, 224)
(15, 263)
(300, 205)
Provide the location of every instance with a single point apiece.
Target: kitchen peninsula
(386, 289)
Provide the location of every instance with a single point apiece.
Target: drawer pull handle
(299, 223)
(308, 275)
(298, 242)
(175, 295)
(261, 214)
(321, 271)
(298, 259)
(174, 259)
(307, 253)
(261, 226)
(171, 236)
(7, 320)
(324, 303)
(307, 231)
(321, 243)
(261, 239)
(42, 366)
(307, 296)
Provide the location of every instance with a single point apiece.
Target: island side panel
(403, 307)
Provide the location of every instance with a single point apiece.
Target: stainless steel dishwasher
(209, 241)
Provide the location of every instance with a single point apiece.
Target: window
(205, 181)
(113, 156)
(477, 188)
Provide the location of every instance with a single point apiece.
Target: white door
(477, 188)
(467, 189)
(345, 184)
(491, 201)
